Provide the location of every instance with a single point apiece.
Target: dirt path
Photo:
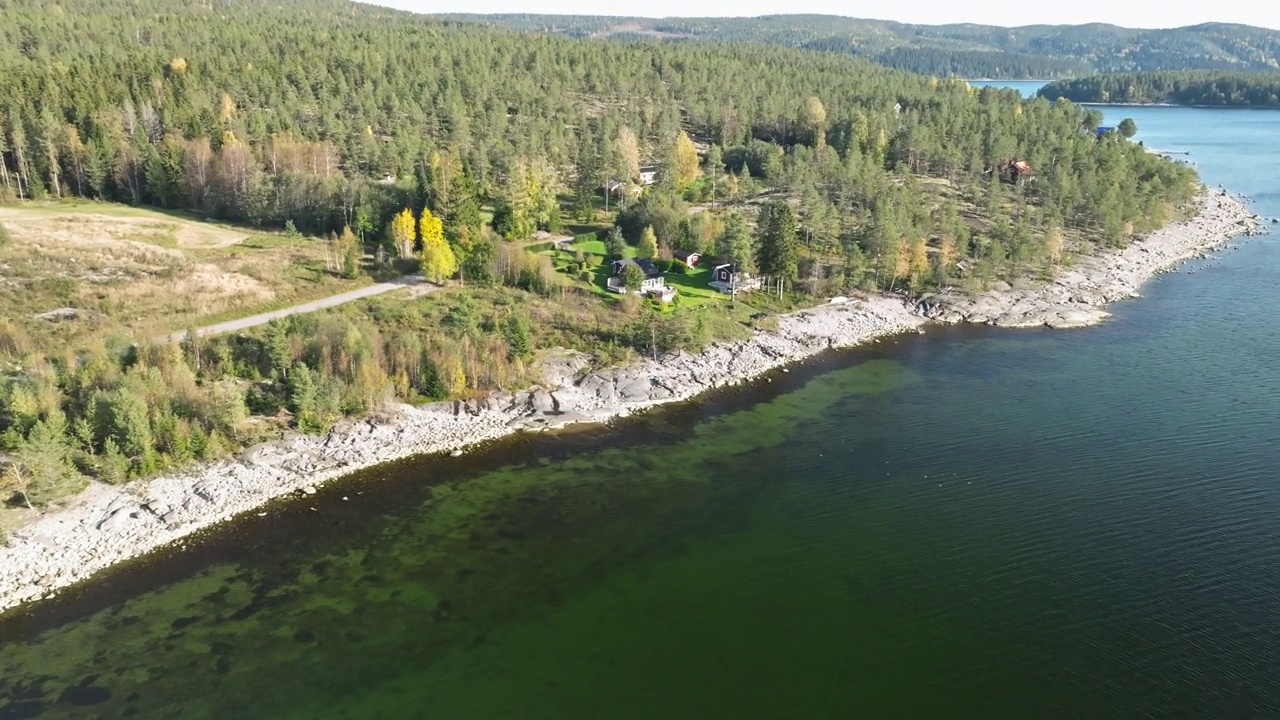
(322, 303)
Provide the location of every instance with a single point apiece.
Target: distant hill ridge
(966, 50)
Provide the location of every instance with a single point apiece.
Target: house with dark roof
(655, 283)
(648, 174)
(728, 279)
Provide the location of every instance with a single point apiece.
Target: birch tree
(438, 260)
(400, 233)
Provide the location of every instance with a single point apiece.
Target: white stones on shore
(107, 524)
(1076, 296)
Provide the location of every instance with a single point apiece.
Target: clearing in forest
(78, 270)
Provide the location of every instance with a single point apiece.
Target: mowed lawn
(692, 286)
(596, 247)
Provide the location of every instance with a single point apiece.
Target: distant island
(960, 50)
(1171, 88)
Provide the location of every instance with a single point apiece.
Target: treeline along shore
(1201, 88)
(109, 524)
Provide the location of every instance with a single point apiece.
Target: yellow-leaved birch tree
(686, 160)
(400, 232)
(438, 261)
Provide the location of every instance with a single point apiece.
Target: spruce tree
(615, 246)
(777, 254)
(517, 332)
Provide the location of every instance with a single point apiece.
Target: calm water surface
(970, 522)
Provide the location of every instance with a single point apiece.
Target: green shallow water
(969, 522)
(442, 601)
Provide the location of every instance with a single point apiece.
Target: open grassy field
(596, 247)
(78, 270)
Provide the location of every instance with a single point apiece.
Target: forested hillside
(1175, 88)
(325, 119)
(969, 51)
(447, 144)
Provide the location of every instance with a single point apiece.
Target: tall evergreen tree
(777, 254)
(736, 244)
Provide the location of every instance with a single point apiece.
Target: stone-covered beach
(108, 524)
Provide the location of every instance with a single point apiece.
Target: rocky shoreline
(1077, 296)
(109, 524)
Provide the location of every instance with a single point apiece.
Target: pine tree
(464, 222)
(51, 133)
(586, 180)
(18, 147)
(41, 468)
(422, 190)
(4, 165)
(279, 347)
(715, 168)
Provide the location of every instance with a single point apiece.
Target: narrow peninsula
(1200, 87)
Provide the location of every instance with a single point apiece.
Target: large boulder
(540, 401)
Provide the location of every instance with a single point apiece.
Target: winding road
(322, 303)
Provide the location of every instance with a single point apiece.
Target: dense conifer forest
(965, 50)
(1174, 88)
(444, 146)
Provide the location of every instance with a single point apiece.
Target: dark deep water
(971, 522)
